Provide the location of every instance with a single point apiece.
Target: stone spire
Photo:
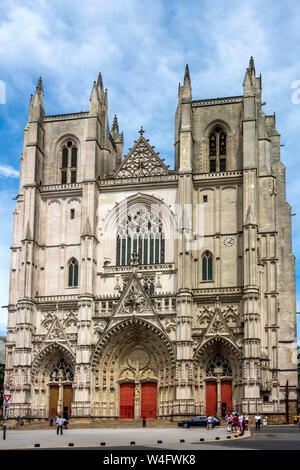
(185, 91)
(115, 126)
(36, 107)
(100, 82)
(95, 105)
(251, 67)
(187, 77)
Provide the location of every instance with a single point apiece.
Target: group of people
(60, 423)
(237, 422)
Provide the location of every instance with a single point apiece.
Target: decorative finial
(141, 131)
(251, 66)
(99, 81)
(187, 72)
(115, 125)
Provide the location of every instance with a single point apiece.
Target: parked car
(198, 421)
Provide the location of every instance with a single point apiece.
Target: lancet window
(207, 266)
(68, 169)
(217, 150)
(73, 273)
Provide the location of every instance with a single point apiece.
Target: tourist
(59, 424)
(235, 422)
(209, 422)
(257, 422)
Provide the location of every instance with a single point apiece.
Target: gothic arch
(56, 152)
(211, 125)
(135, 352)
(126, 327)
(219, 342)
(108, 226)
(52, 351)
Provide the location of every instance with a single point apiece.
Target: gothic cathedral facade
(137, 290)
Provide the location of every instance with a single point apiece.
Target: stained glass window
(140, 232)
(218, 364)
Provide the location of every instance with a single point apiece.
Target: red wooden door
(226, 394)
(149, 400)
(211, 398)
(127, 401)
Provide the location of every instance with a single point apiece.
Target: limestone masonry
(140, 291)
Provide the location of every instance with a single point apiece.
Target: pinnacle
(187, 72)
(251, 66)
(115, 125)
(100, 82)
(39, 86)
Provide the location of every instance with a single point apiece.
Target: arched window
(218, 364)
(141, 232)
(73, 273)
(61, 371)
(207, 266)
(68, 162)
(217, 150)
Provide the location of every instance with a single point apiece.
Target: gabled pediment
(141, 161)
(218, 327)
(134, 301)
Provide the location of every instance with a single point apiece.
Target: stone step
(80, 423)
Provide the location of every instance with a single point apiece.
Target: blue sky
(141, 48)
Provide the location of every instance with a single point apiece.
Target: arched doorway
(218, 385)
(60, 388)
(132, 373)
(53, 376)
(218, 377)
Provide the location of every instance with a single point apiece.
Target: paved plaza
(148, 437)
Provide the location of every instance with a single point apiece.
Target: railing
(56, 298)
(218, 290)
(141, 267)
(57, 117)
(141, 179)
(55, 187)
(225, 174)
(212, 101)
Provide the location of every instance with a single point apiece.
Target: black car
(198, 421)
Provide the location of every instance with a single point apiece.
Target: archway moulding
(133, 323)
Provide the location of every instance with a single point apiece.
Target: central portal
(128, 398)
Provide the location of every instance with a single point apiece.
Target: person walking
(229, 422)
(209, 422)
(51, 420)
(235, 422)
(241, 421)
(246, 422)
(59, 425)
(257, 422)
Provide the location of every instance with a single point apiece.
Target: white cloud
(8, 172)
(141, 48)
